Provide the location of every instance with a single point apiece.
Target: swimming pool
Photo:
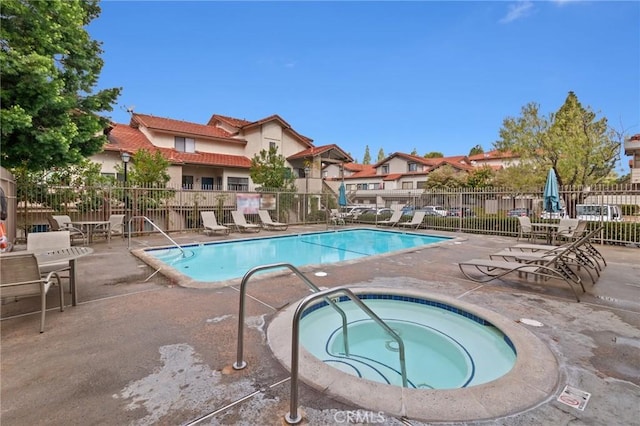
(226, 260)
(446, 347)
(531, 380)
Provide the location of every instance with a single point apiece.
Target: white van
(599, 212)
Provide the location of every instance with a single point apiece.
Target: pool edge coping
(178, 278)
(531, 381)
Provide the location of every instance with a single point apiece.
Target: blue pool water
(445, 347)
(224, 260)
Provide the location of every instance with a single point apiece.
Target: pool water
(445, 347)
(219, 261)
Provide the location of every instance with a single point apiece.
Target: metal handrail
(240, 363)
(157, 228)
(293, 417)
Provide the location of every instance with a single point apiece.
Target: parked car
(599, 212)
(378, 212)
(440, 211)
(519, 212)
(461, 212)
(554, 215)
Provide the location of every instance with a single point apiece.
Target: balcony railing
(632, 146)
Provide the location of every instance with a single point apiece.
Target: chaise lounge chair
(210, 224)
(573, 255)
(241, 223)
(393, 220)
(269, 224)
(554, 265)
(415, 221)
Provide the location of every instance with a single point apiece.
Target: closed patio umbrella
(551, 196)
(342, 195)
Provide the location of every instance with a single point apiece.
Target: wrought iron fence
(486, 211)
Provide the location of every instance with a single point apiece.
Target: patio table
(88, 226)
(551, 228)
(70, 254)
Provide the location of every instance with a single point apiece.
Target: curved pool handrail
(157, 228)
(293, 417)
(240, 363)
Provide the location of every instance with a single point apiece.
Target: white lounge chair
(393, 220)
(241, 222)
(21, 278)
(415, 221)
(210, 224)
(115, 227)
(268, 223)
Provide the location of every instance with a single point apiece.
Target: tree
(480, 177)
(476, 150)
(50, 66)
(434, 154)
(446, 177)
(521, 178)
(367, 157)
(414, 152)
(268, 170)
(148, 169)
(380, 155)
(581, 149)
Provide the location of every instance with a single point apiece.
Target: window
(407, 185)
(384, 169)
(237, 184)
(363, 186)
(187, 182)
(185, 144)
(413, 167)
(421, 184)
(374, 186)
(207, 183)
(272, 145)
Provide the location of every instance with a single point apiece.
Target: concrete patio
(139, 350)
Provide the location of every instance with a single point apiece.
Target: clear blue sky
(435, 76)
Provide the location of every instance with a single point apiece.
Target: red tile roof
(182, 127)
(318, 150)
(235, 122)
(242, 124)
(493, 155)
(122, 137)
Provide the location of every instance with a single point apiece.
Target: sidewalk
(138, 350)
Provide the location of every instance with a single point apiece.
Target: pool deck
(140, 350)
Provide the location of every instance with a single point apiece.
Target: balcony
(632, 145)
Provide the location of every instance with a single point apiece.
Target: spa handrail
(240, 363)
(293, 417)
(157, 228)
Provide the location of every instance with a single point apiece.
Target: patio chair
(415, 221)
(527, 231)
(268, 223)
(241, 223)
(63, 223)
(210, 224)
(40, 242)
(336, 217)
(554, 265)
(568, 229)
(115, 227)
(21, 278)
(393, 220)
